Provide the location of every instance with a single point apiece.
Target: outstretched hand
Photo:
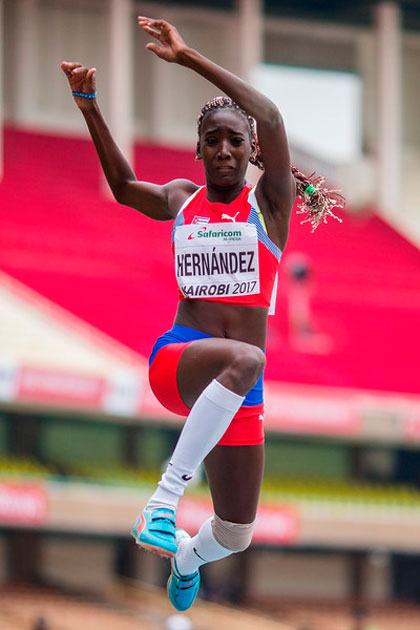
(170, 41)
(81, 79)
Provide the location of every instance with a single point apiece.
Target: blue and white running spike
(154, 530)
(182, 589)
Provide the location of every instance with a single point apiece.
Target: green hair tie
(311, 190)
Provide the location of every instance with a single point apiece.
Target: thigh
(206, 359)
(235, 475)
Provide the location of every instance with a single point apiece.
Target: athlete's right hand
(81, 79)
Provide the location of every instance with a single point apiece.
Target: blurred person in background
(299, 272)
(40, 624)
(304, 334)
(227, 242)
(178, 622)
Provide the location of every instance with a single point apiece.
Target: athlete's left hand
(170, 44)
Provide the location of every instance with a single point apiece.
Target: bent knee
(255, 360)
(234, 536)
(247, 365)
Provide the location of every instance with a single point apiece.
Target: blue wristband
(85, 94)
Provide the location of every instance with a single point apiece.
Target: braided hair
(317, 201)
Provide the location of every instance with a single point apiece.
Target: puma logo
(229, 218)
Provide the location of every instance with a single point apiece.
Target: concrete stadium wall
(77, 564)
(37, 94)
(411, 91)
(297, 575)
(290, 575)
(3, 559)
(167, 98)
(3, 434)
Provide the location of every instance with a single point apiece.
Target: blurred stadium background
(86, 286)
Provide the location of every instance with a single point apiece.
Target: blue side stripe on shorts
(183, 334)
(177, 334)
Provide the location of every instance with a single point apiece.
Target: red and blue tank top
(223, 253)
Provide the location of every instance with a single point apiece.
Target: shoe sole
(163, 553)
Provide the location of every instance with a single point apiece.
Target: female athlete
(227, 241)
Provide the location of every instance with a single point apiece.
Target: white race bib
(217, 259)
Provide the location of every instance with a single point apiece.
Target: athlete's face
(225, 146)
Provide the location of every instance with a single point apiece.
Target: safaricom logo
(209, 233)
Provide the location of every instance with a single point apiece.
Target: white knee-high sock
(209, 418)
(202, 548)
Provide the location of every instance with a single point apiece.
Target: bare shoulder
(178, 191)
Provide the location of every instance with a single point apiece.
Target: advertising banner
(23, 503)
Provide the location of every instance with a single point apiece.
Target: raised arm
(156, 202)
(276, 187)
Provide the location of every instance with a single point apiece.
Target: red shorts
(247, 426)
